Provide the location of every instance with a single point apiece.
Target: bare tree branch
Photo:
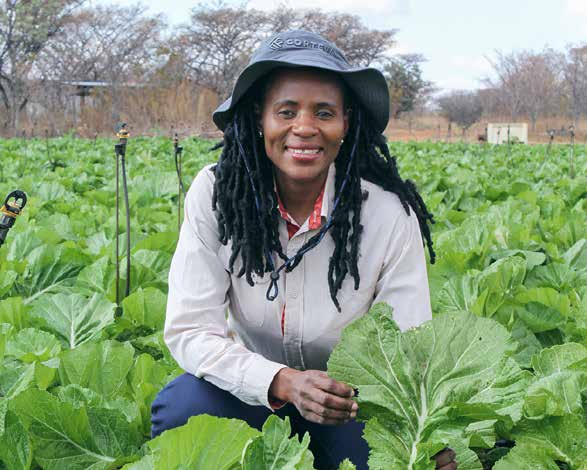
(527, 83)
(461, 107)
(25, 29)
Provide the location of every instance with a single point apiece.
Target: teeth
(304, 151)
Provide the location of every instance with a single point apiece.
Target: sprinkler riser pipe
(127, 210)
(117, 232)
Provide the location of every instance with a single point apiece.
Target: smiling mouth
(304, 154)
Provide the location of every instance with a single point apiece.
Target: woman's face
(303, 121)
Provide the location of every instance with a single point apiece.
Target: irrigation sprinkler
(572, 146)
(120, 151)
(551, 133)
(177, 150)
(498, 141)
(12, 208)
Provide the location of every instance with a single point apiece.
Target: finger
(311, 416)
(448, 466)
(325, 412)
(444, 457)
(335, 387)
(334, 402)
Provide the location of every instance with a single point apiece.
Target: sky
(457, 37)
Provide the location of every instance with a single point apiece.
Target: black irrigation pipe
(47, 145)
(120, 151)
(572, 146)
(509, 146)
(24, 142)
(9, 211)
(177, 150)
(547, 150)
(550, 141)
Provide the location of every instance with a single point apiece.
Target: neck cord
(273, 289)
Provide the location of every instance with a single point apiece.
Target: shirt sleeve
(196, 329)
(403, 281)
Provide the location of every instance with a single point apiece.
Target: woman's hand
(317, 397)
(445, 460)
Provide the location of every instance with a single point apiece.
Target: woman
(302, 156)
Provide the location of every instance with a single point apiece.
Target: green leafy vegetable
(74, 318)
(274, 449)
(75, 438)
(102, 367)
(540, 444)
(511, 248)
(15, 448)
(411, 383)
(205, 442)
(562, 378)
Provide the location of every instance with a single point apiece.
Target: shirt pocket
(249, 303)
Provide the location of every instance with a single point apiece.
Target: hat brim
(367, 83)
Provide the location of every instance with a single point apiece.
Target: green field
(506, 387)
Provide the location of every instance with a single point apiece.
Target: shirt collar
(327, 197)
(328, 201)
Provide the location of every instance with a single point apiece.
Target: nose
(304, 125)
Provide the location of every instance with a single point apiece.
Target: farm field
(499, 374)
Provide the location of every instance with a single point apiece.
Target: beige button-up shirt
(221, 329)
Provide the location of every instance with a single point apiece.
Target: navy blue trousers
(188, 396)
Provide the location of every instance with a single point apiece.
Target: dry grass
(187, 110)
(149, 111)
(434, 128)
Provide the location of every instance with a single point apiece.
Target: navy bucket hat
(300, 48)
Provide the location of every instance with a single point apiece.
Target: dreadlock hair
(246, 204)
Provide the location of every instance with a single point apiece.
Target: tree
(507, 70)
(406, 85)
(575, 81)
(528, 83)
(25, 28)
(461, 107)
(103, 42)
(491, 101)
(109, 43)
(361, 46)
(217, 44)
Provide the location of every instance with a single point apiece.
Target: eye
(323, 114)
(286, 113)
